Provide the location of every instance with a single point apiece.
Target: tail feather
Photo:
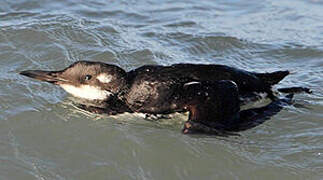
(273, 78)
(295, 90)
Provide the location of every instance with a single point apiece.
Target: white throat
(86, 92)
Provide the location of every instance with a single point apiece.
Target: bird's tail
(295, 90)
(273, 77)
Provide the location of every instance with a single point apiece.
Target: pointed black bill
(47, 76)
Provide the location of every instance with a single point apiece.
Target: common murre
(210, 93)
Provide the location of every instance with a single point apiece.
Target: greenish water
(43, 136)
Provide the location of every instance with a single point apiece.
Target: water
(43, 136)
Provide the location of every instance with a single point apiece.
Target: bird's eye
(88, 77)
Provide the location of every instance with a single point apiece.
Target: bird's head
(85, 79)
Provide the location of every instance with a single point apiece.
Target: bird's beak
(47, 76)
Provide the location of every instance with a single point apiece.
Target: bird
(211, 93)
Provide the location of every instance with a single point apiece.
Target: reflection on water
(44, 136)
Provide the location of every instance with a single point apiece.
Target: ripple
(296, 52)
(182, 24)
(120, 14)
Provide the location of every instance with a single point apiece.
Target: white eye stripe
(104, 78)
